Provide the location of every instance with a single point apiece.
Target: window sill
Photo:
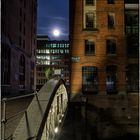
(90, 5)
(92, 30)
(89, 54)
(111, 29)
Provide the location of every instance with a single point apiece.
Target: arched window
(22, 71)
(111, 75)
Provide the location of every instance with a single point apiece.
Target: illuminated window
(54, 45)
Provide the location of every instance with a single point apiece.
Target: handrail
(33, 127)
(19, 97)
(16, 114)
(4, 119)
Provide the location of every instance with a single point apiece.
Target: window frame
(89, 2)
(111, 1)
(91, 46)
(89, 20)
(110, 44)
(111, 23)
(90, 79)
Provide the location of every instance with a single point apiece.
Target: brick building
(54, 55)
(99, 37)
(101, 67)
(18, 46)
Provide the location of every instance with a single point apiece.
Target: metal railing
(47, 103)
(5, 118)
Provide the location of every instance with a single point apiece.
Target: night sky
(53, 14)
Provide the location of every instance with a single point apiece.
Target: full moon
(56, 32)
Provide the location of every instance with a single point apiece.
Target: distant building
(52, 55)
(18, 45)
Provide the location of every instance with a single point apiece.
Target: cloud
(53, 18)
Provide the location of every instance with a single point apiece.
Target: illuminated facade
(98, 42)
(104, 68)
(54, 55)
(18, 46)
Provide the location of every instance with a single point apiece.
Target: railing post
(4, 118)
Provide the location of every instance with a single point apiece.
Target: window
(24, 31)
(131, 23)
(132, 77)
(20, 12)
(89, 47)
(89, 21)
(20, 41)
(111, 72)
(89, 2)
(132, 1)
(24, 3)
(24, 44)
(20, 26)
(111, 1)
(24, 18)
(111, 46)
(22, 70)
(89, 79)
(5, 67)
(133, 46)
(111, 21)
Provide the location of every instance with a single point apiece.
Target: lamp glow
(56, 130)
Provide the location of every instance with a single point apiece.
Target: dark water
(74, 128)
(126, 137)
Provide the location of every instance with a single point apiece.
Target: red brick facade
(99, 36)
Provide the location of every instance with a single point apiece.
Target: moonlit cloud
(53, 14)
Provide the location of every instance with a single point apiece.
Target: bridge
(43, 118)
(48, 115)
